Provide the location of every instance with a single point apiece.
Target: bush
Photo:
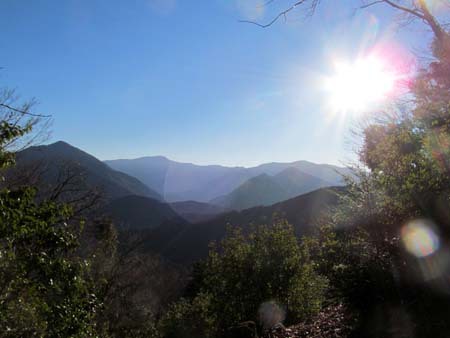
(190, 318)
(243, 272)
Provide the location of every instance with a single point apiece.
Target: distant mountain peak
(292, 171)
(156, 157)
(60, 143)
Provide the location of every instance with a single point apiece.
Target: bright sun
(356, 87)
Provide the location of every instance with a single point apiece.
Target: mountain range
(230, 187)
(182, 230)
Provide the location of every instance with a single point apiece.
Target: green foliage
(190, 318)
(44, 289)
(243, 272)
(267, 264)
(41, 281)
(8, 133)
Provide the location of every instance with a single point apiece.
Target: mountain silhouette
(54, 160)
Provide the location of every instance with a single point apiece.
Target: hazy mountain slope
(193, 211)
(185, 181)
(149, 170)
(301, 211)
(260, 190)
(174, 180)
(327, 172)
(264, 190)
(296, 182)
(219, 186)
(55, 159)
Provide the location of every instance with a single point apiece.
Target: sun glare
(356, 87)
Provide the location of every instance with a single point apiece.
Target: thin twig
(281, 14)
(23, 111)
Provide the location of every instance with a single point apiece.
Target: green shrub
(242, 273)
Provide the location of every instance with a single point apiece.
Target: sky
(187, 80)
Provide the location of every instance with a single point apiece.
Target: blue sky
(185, 79)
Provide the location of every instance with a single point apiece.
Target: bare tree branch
(404, 9)
(281, 14)
(17, 113)
(418, 9)
(370, 4)
(268, 2)
(24, 112)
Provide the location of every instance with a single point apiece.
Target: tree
(44, 289)
(405, 177)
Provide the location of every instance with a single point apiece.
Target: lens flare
(270, 313)
(370, 81)
(419, 238)
(356, 86)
